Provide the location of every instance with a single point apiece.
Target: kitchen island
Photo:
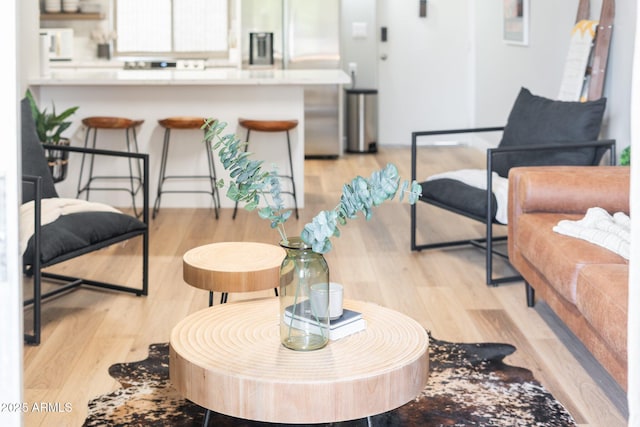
(150, 95)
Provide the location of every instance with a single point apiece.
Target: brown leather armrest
(568, 189)
(565, 189)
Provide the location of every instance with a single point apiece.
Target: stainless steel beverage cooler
(362, 120)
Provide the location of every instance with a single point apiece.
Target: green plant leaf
(416, 192)
(49, 126)
(265, 212)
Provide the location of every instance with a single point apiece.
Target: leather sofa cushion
(558, 258)
(603, 299)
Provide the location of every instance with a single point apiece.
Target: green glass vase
(304, 313)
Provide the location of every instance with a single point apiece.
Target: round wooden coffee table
(229, 359)
(233, 267)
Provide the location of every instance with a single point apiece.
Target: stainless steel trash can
(362, 120)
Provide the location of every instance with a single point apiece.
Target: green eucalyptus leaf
(235, 172)
(265, 212)
(232, 192)
(416, 192)
(250, 206)
(403, 189)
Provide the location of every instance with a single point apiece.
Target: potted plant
(625, 157)
(304, 266)
(49, 127)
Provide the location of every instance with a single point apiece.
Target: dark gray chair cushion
(34, 161)
(537, 120)
(458, 197)
(76, 234)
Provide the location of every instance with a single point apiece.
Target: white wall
(28, 42)
(452, 69)
(10, 275)
(633, 329)
(501, 69)
(618, 84)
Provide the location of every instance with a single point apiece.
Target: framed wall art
(515, 22)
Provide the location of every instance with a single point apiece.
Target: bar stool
(181, 123)
(95, 123)
(273, 126)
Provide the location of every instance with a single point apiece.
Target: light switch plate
(359, 30)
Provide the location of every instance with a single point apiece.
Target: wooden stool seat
(185, 123)
(233, 267)
(103, 122)
(268, 125)
(182, 122)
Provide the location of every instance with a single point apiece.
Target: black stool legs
(135, 179)
(211, 177)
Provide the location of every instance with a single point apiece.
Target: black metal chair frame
(212, 177)
(487, 243)
(135, 181)
(72, 283)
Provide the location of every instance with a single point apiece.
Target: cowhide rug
(469, 385)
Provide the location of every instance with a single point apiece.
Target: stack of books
(349, 323)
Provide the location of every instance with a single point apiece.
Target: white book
(303, 311)
(349, 323)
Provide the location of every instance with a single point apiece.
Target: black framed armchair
(54, 230)
(539, 131)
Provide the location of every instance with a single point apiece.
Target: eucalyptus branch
(249, 183)
(361, 195)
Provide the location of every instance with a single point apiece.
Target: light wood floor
(87, 331)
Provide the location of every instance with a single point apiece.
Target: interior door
(424, 67)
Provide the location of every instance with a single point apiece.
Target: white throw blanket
(612, 232)
(478, 178)
(52, 209)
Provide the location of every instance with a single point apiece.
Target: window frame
(218, 54)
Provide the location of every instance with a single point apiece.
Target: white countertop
(229, 77)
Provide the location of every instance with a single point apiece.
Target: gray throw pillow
(537, 120)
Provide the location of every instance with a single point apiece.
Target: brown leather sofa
(584, 284)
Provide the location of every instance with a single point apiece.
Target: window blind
(167, 26)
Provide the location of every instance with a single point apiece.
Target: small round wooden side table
(233, 267)
(229, 359)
